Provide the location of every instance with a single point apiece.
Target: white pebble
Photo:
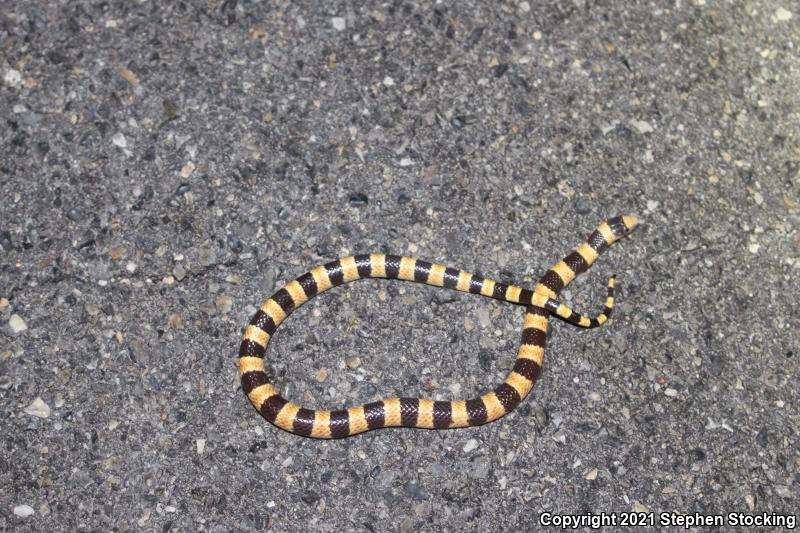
(671, 392)
(483, 317)
(642, 126)
(131, 267)
(783, 15)
(187, 169)
(339, 23)
(201, 445)
(13, 78)
(758, 198)
(524, 7)
(470, 445)
(652, 205)
(388, 81)
(754, 248)
(38, 408)
(23, 511)
(119, 140)
(16, 324)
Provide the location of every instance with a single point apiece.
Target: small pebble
(170, 109)
(179, 272)
(175, 322)
(4, 303)
(38, 408)
(23, 511)
(353, 362)
(74, 214)
(119, 140)
(87, 248)
(5, 240)
(201, 446)
(223, 303)
(131, 267)
(129, 76)
(582, 206)
(480, 469)
(483, 317)
(338, 23)
(470, 445)
(751, 502)
(321, 375)
(16, 325)
(187, 170)
(183, 188)
(359, 199)
(469, 325)
(642, 126)
(12, 78)
(207, 257)
(117, 252)
(783, 14)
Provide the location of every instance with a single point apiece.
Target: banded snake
(539, 304)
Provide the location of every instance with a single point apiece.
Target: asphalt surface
(166, 168)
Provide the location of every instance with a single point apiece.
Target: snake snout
(622, 225)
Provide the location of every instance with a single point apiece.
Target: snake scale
(539, 304)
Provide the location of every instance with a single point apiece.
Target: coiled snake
(417, 412)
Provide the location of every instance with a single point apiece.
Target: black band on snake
(540, 303)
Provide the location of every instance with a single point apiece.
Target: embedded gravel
(166, 166)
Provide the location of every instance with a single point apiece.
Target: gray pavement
(165, 168)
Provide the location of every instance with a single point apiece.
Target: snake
(540, 303)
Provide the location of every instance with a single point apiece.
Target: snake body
(539, 304)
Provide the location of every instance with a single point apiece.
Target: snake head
(622, 225)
